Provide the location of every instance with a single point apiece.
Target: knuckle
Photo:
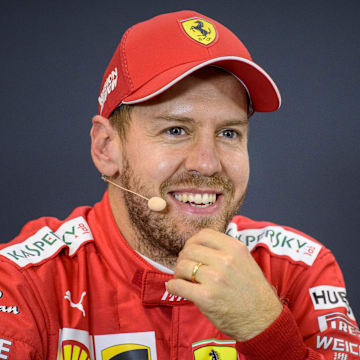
(179, 268)
(176, 272)
(186, 251)
(241, 249)
(218, 278)
(171, 286)
(228, 261)
(206, 231)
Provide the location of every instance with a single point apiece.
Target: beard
(158, 234)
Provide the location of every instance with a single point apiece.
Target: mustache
(216, 182)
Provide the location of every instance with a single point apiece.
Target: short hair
(120, 119)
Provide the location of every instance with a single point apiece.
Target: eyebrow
(185, 119)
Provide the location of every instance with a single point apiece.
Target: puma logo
(78, 305)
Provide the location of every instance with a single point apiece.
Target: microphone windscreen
(156, 203)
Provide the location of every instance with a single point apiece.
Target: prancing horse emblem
(200, 27)
(214, 355)
(200, 30)
(79, 305)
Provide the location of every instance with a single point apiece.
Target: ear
(106, 147)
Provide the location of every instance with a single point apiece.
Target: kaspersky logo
(279, 241)
(200, 30)
(46, 242)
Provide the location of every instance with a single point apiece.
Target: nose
(202, 157)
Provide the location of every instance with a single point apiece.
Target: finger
(185, 289)
(220, 259)
(187, 269)
(199, 253)
(212, 239)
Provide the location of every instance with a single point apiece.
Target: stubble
(157, 234)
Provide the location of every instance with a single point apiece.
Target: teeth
(205, 199)
(198, 200)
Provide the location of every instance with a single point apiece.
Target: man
(128, 279)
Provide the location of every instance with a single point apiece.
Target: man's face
(188, 145)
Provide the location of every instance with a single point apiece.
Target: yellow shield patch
(127, 352)
(199, 30)
(213, 349)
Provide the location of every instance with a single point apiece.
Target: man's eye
(175, 131)
(231, 134)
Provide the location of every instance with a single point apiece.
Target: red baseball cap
(155, 54)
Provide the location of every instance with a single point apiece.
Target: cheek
(155, 165)
(237, 169)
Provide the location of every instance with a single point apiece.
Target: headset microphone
(155, 203)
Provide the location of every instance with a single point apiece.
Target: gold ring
(195, 270)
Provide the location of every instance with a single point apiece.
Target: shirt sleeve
(22, 325)
(318, 301)
(317, 321)
(282, 340)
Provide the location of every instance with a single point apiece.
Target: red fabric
(282, 340)
(154, 54)
(93, 296)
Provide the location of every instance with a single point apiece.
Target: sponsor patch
(200, 30)
(337, 321)
(73, 341)
(77, 344)
(340, 356)
(213, 349)
(46, 243)
(79, 306)
(330, 297)
(127, 352)
(127, 346)
(109, 86)
(279, 241)
(5, 347)
(335, 344)
(73, 350)
(8, 309)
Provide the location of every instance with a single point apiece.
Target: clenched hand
(230, 288)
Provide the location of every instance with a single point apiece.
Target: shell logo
(74, 350)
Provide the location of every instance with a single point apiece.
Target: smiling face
(188, 145)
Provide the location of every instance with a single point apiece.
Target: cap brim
(263, 92)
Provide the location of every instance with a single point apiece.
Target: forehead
(207, 88)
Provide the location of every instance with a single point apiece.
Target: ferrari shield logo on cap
(127, 352)
(199, 30)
